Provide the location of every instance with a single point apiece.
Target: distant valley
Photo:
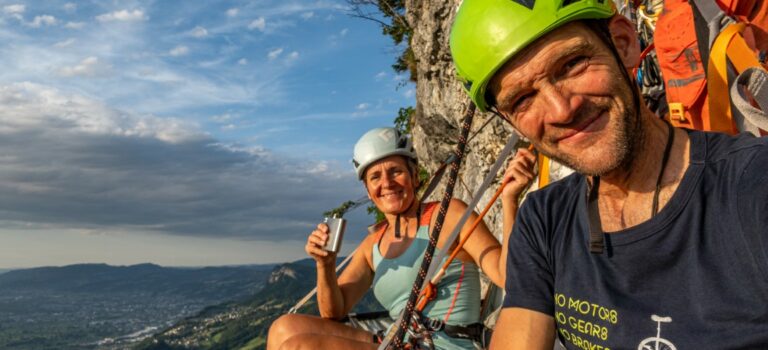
(244, 325)
(96, 306)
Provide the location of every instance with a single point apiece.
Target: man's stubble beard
(629, 138)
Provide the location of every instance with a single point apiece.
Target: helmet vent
(570, 2)
(527, 3)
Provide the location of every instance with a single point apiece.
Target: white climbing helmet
(380, 143)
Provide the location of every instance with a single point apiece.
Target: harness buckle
(434, 324)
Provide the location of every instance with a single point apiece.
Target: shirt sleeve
(753, 204)
(529, 283)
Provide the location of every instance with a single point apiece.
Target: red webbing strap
(426, 216)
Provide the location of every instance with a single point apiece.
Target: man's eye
(575, 65)
(521, 103)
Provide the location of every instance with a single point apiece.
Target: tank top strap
(378, 230)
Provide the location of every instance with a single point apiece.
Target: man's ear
(625, 39)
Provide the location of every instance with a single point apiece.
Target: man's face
(566, 94)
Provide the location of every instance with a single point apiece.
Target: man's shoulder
(722, 147)
(559, 191)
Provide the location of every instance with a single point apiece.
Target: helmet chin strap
(397, 227)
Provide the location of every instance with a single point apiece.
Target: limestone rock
(440, 105)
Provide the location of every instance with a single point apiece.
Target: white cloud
(381, 75)
(320, 167)
(307, 15)
(274, 53)
(62, 155)
(363, 106)
(409, 93)
(259, 23)
(44, 20)
(89, 67)
(344, 32)
(222, 118)
(242, 61)
(122, 16)
(81, 114)
(228, 127)
(74, 25)
(293, 56)
(232, 12)
(65, 43)
(180, 50)
(14, 9)
(199, 32)
(70, 7)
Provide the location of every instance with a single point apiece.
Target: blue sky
(183, 132)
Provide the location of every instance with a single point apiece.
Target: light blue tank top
(458, 293)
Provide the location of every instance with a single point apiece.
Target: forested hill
(244, 325)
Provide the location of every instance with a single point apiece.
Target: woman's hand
(519, 174)
(315, 244)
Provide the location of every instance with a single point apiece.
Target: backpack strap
(708, 21)
(731, 45)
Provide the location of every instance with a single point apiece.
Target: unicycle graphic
(657, 342)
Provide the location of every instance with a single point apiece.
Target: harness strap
(596, 236)
(755, 80)
(543, 170)
(721, 118)
(472, 331)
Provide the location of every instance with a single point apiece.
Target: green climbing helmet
(380, 143)
(487, 33)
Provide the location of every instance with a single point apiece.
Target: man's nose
(558, 105)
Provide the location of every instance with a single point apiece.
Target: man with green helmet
(659, 240)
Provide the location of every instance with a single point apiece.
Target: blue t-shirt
(695, 276)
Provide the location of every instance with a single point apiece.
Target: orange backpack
(701, 47)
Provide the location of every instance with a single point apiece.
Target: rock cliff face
(441, 103)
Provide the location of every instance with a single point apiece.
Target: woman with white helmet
(389, 259)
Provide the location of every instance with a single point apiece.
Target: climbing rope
(394, 339)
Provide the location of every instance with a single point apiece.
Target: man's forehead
(560, 42)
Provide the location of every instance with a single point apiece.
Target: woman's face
(390, 185)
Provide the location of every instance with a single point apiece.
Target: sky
(183, 133)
